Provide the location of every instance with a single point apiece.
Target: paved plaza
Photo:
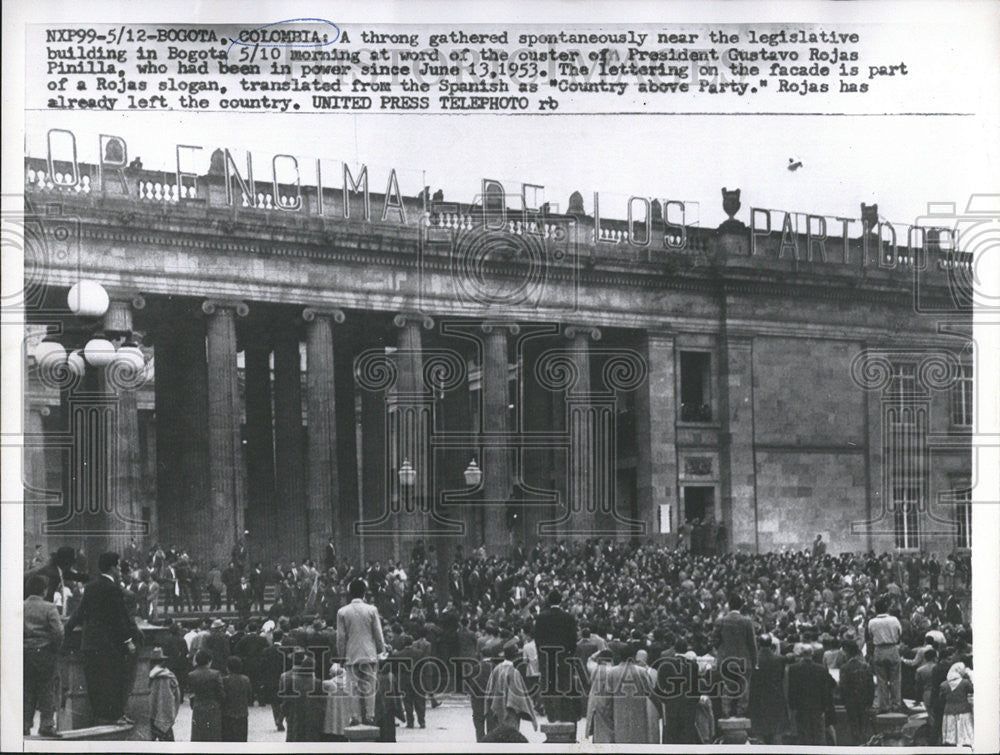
(451, 722)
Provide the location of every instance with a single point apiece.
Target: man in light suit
(737, 647)
(360, 641)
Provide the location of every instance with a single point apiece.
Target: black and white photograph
(419, 377)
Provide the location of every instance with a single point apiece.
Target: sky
(900, 162)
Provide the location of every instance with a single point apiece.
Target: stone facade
(302, 357)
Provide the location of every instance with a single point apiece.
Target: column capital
(404, 318)
(127, 296)
(587, 331)
(37, 404)
(488, 326)
(310, 314)
(211, 306)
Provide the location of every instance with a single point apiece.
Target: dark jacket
(810, 688)
(856, 686)
(303, 705)
(768, 705)
(237, 696)
(555, 637)
(735, 639)
(218, 645)
(676, 692)
(207, 695)
(104, 617)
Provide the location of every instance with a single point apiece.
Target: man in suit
(810, 696)
(109, 638)
(737, 648)
(555, 636)
(857, 691)
(360, 641)
(677, 693)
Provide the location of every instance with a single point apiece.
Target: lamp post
(407, 474)
(473, 474)
(104, 474)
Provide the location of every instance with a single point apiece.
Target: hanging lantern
(88, 299)
(99, 352)
(131, 356)
(473, 474)
(76, 364)
(407, 474)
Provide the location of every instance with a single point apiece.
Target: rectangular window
(961, 398)
(963, 518)
(905, 507)
(696, 382)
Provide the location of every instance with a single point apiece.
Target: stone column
(220, 525)
(497, 468)
(589, 490)
(260, 449)
(321, 419)
(35, 502)
(347, 498)
(122, 381)
(181, 396)
(736, 461)
(289, 526)
(410, 424)
(374, 474)
(656, 415)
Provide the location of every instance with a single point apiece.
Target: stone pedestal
(361, 733)
(73, 707)
(734, 731)
(560, 732)
(890, 726)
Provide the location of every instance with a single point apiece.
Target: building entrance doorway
(699, 502)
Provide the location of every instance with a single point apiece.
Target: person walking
(236, 705)
(360, 641)
(164, 697)
(43, 636)
(109, 638)
(207, 695)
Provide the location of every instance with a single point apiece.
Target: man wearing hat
(217, 643)
(164, 697)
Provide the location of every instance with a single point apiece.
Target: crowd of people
(687, 638)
